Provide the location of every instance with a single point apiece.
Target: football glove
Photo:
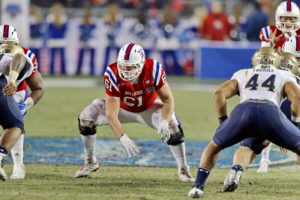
(163, 131)
(222, 119)
(129, 147)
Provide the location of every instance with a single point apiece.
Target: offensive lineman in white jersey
(261, 90)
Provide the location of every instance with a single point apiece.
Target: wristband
(12, 77)
(29, 102)
(222, 119)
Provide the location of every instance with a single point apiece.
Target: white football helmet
(287, 9)
(130, 56)
(8, 34)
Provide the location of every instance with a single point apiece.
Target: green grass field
(56, 116)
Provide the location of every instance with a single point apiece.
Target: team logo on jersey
(149, 90)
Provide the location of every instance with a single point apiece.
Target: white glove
(163, 130)
(129, 147)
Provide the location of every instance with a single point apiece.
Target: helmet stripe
(289, 6)
(297, 43)
(128, 50)
(5, 31)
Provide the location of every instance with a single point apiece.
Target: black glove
(297, 124)
(222, 119)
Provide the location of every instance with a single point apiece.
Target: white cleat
(185, 174)
(263, 166)
(3, 176)
(232, 181)
(18, 172)
(195, 193)
(86, 169)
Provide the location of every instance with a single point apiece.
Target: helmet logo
(265, 60)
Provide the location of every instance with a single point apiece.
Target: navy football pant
(10, 115)
(258, 119)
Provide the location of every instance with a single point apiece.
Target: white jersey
(262, 83)
(5, 60)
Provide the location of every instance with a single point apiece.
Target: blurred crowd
(171, 27)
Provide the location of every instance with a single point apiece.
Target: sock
(178, 152)
(237, 168)
(89, 142)
(265, 153)
(202, 175)
(17, 152)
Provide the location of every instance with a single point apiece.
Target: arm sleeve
(110, 83)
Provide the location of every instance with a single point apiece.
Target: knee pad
(177, 137)
(86, 127)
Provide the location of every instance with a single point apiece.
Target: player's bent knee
(86, 127)
(177, 137)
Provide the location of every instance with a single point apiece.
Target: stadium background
(171, 32)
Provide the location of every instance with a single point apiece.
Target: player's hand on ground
(9, 89)
(273, 38)
(163, 131)
(129, 147)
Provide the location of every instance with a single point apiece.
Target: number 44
(268, 83)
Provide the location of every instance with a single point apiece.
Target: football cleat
(86, 169)
(263, 166)
(18, 172)
(195, 193)
(185, 174)
(232, 181)
(3, 176)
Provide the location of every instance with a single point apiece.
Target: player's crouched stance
(133, 85)
(257, 115)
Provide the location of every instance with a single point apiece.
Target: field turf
(56, 116)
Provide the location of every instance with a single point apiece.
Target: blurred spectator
(168, 42)
(256, 21)
(113, 23)
(86, 31)
(145, 32)
(37, 30)
(216, 25)
(57, 27)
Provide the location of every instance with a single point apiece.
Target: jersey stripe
(5, 31)
(112, 78)
(289, 6)
(128, 50)
(156, 72)
(266, 31)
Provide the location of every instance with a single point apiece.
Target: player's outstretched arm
(36, 85)
(225, 91)
(165, 94)
(112, 107)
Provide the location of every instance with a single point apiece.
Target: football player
(15, 67)
(136, 91)
(261, 90)
(287, 18)
(8, 36)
